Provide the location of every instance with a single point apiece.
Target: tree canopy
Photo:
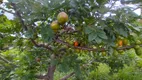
(89, 40)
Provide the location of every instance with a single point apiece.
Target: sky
(117, 4)
(9, 16)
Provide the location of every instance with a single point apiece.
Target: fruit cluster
(122, 42)
(62, 18)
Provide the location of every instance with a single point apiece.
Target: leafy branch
(49, 75)
(93, 49)
(41, 45)
(19, 16)
(25, 28)
(51, 68)
(7, 10)
(5, 60)
(113, 3)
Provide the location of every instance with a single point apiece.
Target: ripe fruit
(54, 25)
(75, 43)
(62, 18)
(120, 43)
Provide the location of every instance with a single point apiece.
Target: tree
(77, 47)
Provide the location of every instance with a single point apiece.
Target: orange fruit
(120, 43)
(76, 44)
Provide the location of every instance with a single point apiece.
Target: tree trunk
(50, 74)
(141, 10)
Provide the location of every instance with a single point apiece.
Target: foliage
(28, 45)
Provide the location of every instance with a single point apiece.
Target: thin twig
(5, 60)
(42, 76)
(7, 11)
(67, 76)
(112, 5)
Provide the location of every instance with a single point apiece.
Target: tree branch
(41, 45)
(51, 70)
(5, 60)
(67, 76)
(42, 77)
(78, 47)
(93, 49)
(25, 27)
(19, 16)
(136, 8)
(112, 4)
(7, 11)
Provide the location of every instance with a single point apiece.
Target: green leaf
(123, 32)
(77, 71)
(121, 29)
(92, 37)
(73, 3)
(47, 33)
(102, 35)
(88, 30)
(101, 2)
(29, 33)
(54, 62)
(98, 40)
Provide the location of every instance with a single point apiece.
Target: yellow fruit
(54, 25)
(125, 41)
(62, 18)
(103, 53)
